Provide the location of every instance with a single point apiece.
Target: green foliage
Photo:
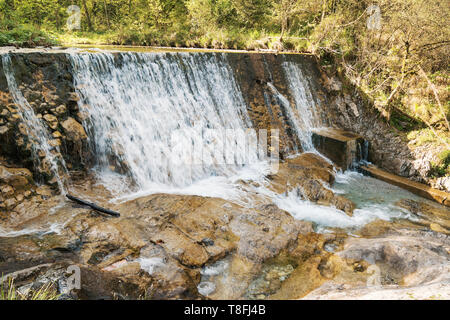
(445, 158)
(442, 168)
(24, 36)
(403, 122)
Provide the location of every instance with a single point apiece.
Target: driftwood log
(93, 206)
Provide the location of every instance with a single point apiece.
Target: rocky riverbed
(168, 246)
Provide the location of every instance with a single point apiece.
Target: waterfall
(303, 116)
(36, 129)
(145, 109)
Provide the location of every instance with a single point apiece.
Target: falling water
(144, 110)
(36, 129)
(140, 107)
(303, 116)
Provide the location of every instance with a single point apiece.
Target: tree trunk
(88, 17)
(106, 14)
(324, 6)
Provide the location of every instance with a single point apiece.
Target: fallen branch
(93, 206)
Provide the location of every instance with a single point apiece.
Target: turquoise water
(374, 199)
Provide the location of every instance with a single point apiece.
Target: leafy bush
(24, 36)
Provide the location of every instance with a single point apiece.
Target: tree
(285, 10)
(252, 13)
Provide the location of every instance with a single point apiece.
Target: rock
(57, 134)
(437, 215)
(310, 175)
(331, 83)
(61, 110)
(55, 142)
(12, 108)
(438, 228)
(182, 248)
(352, 105)
(19, 178)
(3, 130)
(6, 190)
(23, 129)
(44, 191)
(73, 130)
(10, 203)
(443, 183)
(403, 264)
(207, 242)
(52, 121)
(5, 113)
(19, 198)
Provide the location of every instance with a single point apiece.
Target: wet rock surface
(167, 246)
(45, 81)
(404, 264)
(312, 176)
(166, 241)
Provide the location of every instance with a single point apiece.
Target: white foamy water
(150, 265)
(35, 127)
(135, 102)
(303, 115)
(145, 109)
(149, 112)
(374, 199)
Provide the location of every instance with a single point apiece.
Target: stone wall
(45, 80)
(253, 72)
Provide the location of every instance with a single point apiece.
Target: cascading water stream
(303, 115)
(145, 110)
(145, 114)
(35, 128)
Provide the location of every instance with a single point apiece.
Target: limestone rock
(10, 203)
(3, 130)
(19, 178)
(6, 190)
(181, 247)
(51, 120)
(311, 175)
(404, 264)
(73, 130)
(61, 110)
(331, 83)
(44, 191)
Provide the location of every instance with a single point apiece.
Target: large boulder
(312, 176)
(75, 141)
(18, 178)
(73, 130)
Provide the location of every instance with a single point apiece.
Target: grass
(213, 39)
(25, 36)
(426, 136)
(45, 292)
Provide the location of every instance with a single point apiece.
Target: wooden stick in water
(93, 206)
